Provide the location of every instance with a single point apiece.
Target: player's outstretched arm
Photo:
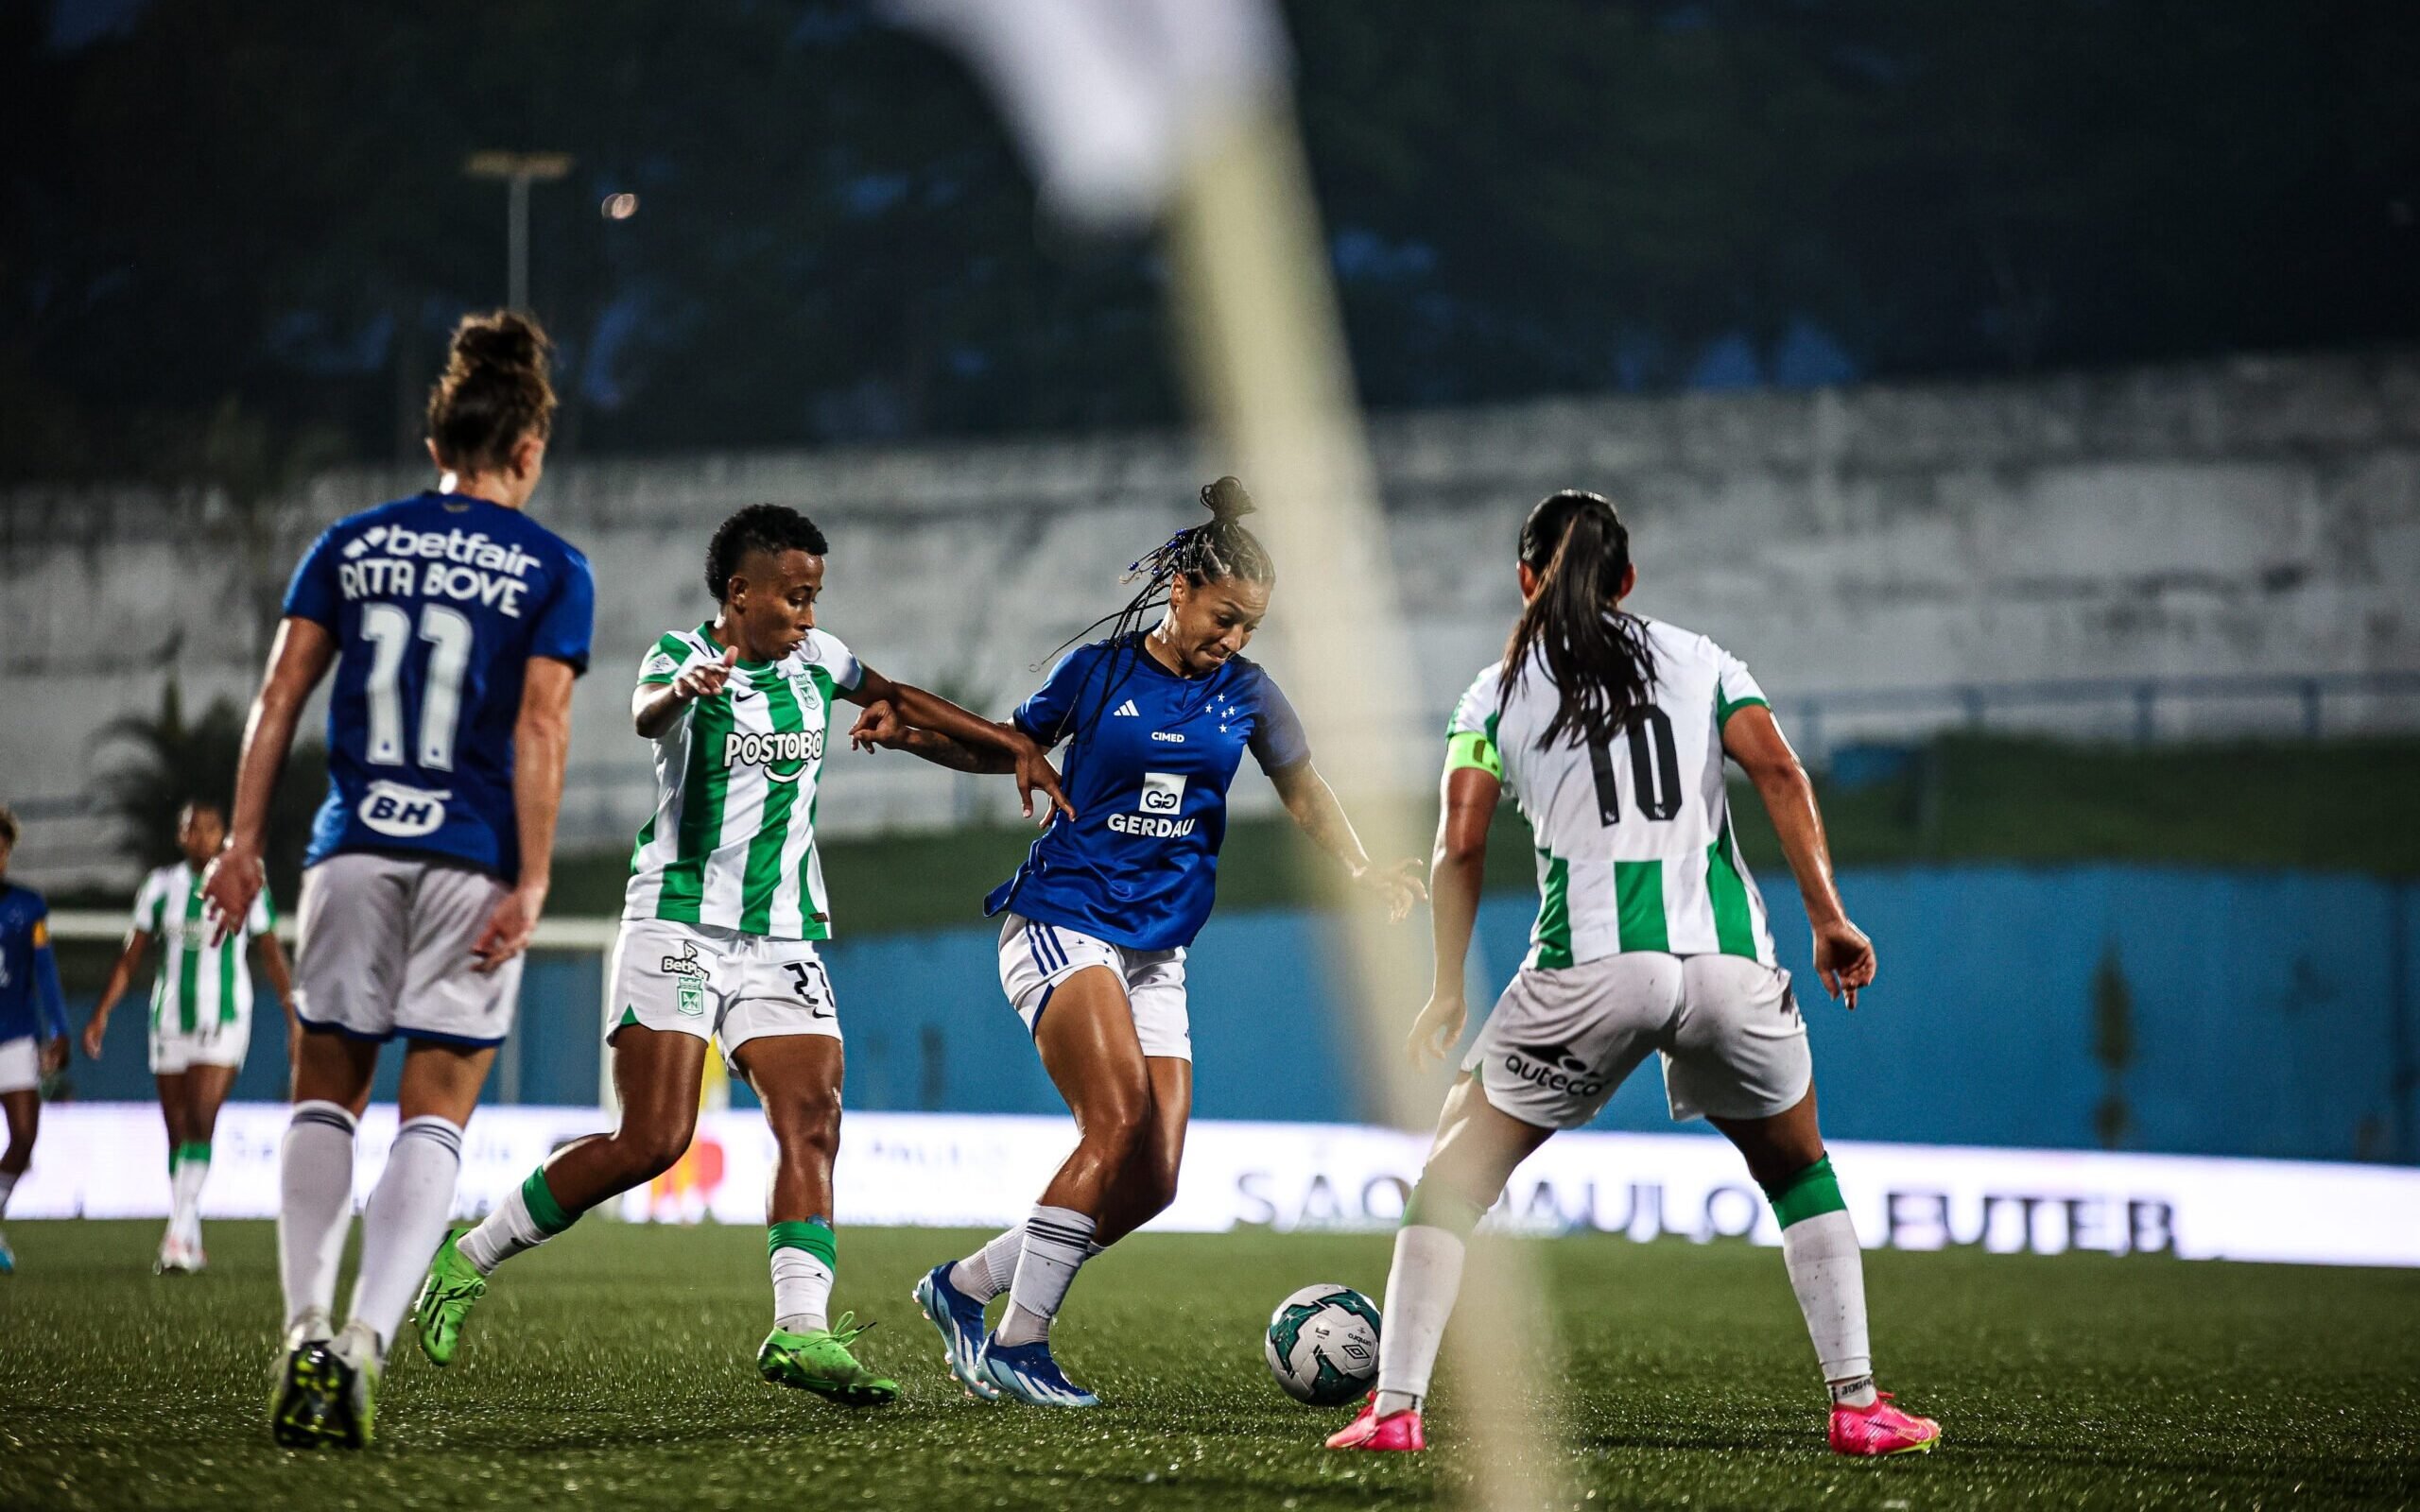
(923, 711)
(297, 661)
(656, 707)
(541, 747)
(1455, 869)
(1843, 957)
(1315, 812)
(129, 961)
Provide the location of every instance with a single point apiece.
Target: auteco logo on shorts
(1555, 1069)
(1156, 809)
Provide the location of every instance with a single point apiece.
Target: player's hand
(1844, 960)
(509, 928)
(1399, 885)
(878, 725)
(93, 1033)
(706, 679)
(1437, 1030)
(1036, 775)
(54, 1057)
(227, 889)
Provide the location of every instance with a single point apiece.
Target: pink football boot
(1881, 1429)
(1397, 1433)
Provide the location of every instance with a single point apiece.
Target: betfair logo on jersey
(1555, 1069)
(461, 566)
(785, 752)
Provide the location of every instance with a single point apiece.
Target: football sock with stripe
(403, 1222)
(1827, 1271)
(188, 1168)
(528, 1218)
(314, 1206)
(1421, 1287)
(806, 1257)
(1058, 1241)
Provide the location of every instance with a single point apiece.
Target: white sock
(802, 1288)
(1827, 1271)
(1058, 1241)
(314, 1207)
(507, 1230)
(403, 1222)
(1421, 1287)
(184, 1205)
(987, 1273)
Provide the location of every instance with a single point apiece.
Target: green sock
(805, 1260)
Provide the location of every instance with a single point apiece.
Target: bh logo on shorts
(692, 973)
(406, 813)
(1555, 1069)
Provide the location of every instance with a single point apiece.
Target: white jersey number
(388, 630)
(1654, 769)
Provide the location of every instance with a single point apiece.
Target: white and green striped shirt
(200, 986)
(1634, 844)
(732, 842)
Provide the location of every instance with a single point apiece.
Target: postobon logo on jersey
(405, 813)
(780, 749)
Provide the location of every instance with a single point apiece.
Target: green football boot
(453, 1283)
(820, 1362)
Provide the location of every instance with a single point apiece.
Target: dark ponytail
(1597, 655)
(494, 392)
(1215, 551)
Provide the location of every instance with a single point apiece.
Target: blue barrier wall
(2213, 1012)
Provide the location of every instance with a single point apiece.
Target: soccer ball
(1322, 1345)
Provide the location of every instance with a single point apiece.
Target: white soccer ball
(1322, 1345)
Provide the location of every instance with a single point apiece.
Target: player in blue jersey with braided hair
(33, 1020)
(1095, 923)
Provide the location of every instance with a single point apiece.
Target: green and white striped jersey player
(201, 1000)
(720, 924)
(1634, 844)
(1610, 730)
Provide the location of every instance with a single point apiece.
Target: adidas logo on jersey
(1128, 710)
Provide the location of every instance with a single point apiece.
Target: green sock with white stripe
(1827, 1272)
(805, 1259)
(523, 1220)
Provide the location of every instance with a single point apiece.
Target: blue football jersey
(437, 604)
(1149, 755)
(29, 999)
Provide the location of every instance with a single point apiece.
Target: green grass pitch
(614, 1368)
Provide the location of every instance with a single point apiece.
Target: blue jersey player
(1095, 923)
(455, 625)
(33, 1020)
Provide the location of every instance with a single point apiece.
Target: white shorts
(215, 1043)
(384, 950)
(20, 1064)
(1036, 957)
(1561, 1041)
(724, 986)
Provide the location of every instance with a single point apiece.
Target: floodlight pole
(518, 170)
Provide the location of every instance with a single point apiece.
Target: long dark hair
(1215, 551)
(1598, 655)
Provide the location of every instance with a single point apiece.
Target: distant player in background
(725, 905)
(33, 1021)
(1097, 921)
(201, 1013)
(1610, 730)
(455, 625)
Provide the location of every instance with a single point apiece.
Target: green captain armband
(1468, 747)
